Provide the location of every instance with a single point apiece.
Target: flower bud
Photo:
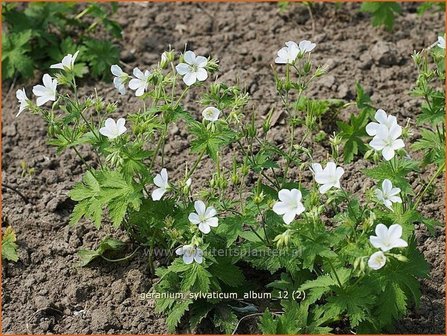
(267, 122)
(259, 197)
(400, 257)
(307, 67)
(166, 58)
(212, 65)
(282, 240)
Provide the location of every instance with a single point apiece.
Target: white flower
(328, 177)
(288, 54)
(47, 91)
(120, 78)
(190, 253)
(194, 68)
(388, 238)
(23, 100)
(140, 82)
(383, 119)
(377, 260)
(289, 204)
(203, 217)
(188, 182)
(164, 58)
(387, 141)
(211, 114)
(113, 129)
(306, 46)
(388, 194)
(161, 181)
(67, 62)
(441, 42)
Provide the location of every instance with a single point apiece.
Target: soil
(47, 292)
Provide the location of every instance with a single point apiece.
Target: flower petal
(158, 193)
(289, 217)
(213, 222)
(200, 207)
(116, 70)
(190, 78)
(204, 227)
(182, 69)
(201, 74)
(189, 57)
(194, 218)
(280, 208)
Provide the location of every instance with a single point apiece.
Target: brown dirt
(46, 292)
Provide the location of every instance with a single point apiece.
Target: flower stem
(196, 164)
(435, 175)
(336, 275)
(121, 259)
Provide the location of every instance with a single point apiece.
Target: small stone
(384, 53)
(328, 81)
(104, 319)
(343, 91)
(128, 56)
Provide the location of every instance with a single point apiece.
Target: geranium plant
(334, 257)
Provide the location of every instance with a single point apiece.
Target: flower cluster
(289, 205)
(292, 50)
(386, 134)
(385, 240)
(205, 217)
(48, 91)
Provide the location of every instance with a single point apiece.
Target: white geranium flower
(211, 114)
(47, 91)
(194, 68)
(441, 42)
(377, 260)
(23, 100)
(113, 129)
(288, 54)
(140, 83)
(67, 62)
(388, 238)
(289, 204)
(204, 217)
(383, 120)
(306, 46)
(388, 194)
(190, 253)
(328, 177)
(161, 181)
(387, 141)
(120, 79)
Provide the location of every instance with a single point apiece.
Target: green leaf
(383, 13)
(353, 132)
(210, 141)
(397, 175)
(101, 55)
(230, 228)
(105, 189)
(391, 304)
(107, 244)
(432, 145)
(173, 319)
(227, 272)
(15, 55)
(267, 324)
(9, 246)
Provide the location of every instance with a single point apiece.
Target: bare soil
(47, 292)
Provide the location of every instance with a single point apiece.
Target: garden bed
(47, 292)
